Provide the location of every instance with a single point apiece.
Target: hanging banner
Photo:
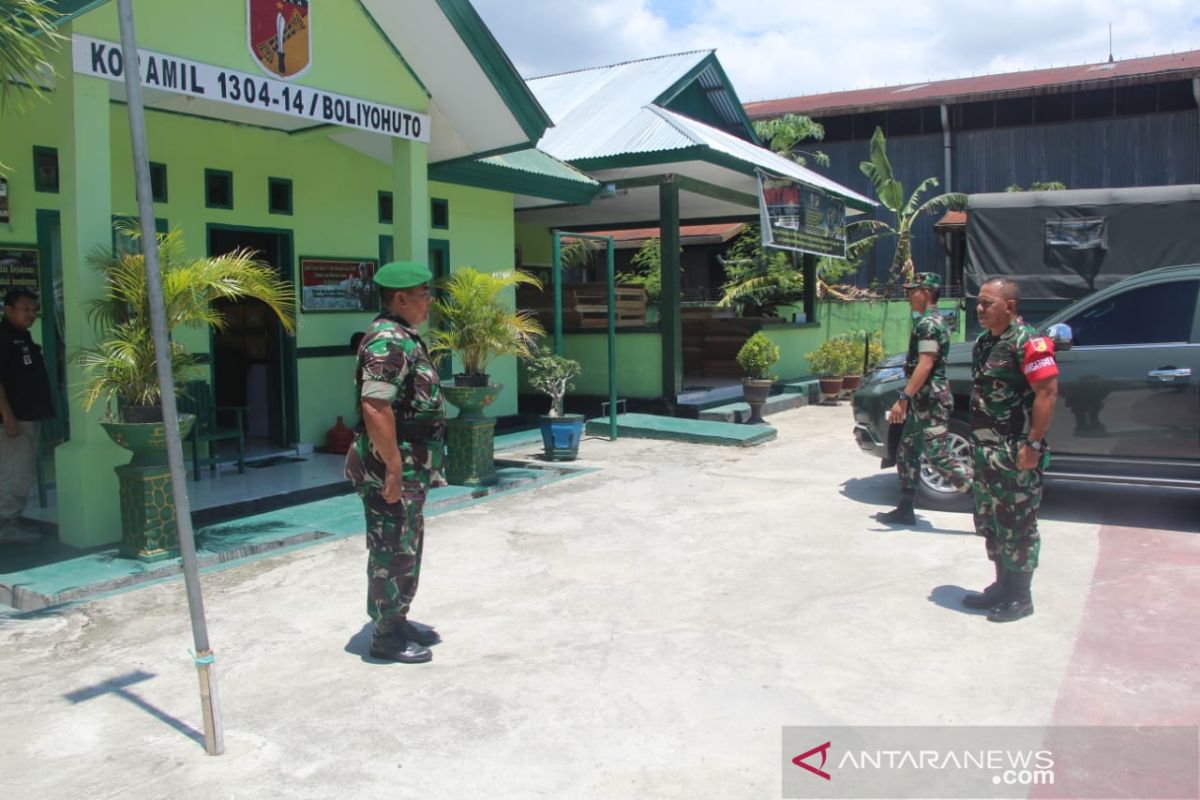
(801, 218)
(169, 73)
(278, 33)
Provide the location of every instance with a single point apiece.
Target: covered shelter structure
(669, 142)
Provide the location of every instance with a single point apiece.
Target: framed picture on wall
(338, 284)
(19, 268)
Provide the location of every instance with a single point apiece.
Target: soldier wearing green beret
(397, 456)
(925, 403)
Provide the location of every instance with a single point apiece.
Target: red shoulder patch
(1038, 362)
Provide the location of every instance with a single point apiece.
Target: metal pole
(556, 275)
(213, 738)
(612, 344)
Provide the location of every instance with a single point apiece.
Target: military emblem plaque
(279, 35)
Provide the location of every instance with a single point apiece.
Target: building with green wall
(325, 137)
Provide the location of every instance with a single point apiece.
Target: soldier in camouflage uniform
(397, 456)
(1016, 384)
(925, 403)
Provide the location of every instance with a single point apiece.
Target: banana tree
(907, 211)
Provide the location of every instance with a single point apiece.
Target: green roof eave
(499, 69)
(483, 175)
(70, 9)
(683, 83)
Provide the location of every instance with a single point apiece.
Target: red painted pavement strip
(1137, 656)
(1136, 662)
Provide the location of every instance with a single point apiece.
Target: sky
(788, 48)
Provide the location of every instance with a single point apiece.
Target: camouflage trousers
(925, 433)
(395, 540)
(1006, 505)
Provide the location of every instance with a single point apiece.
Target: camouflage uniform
(925, 424)
(393, 364)
(1007, 497)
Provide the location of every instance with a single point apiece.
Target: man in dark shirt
(24, 403)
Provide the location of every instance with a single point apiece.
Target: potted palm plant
(755, 358)
(120, 368)
(554, 375)
(828, 362)
(474, 324)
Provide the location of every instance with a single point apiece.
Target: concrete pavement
(643, 631)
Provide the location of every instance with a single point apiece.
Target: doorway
(253, 359)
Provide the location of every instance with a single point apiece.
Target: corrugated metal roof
(597, 111)
(1185, 64)
(753, 155)
(539, 163)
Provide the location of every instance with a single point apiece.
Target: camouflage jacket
(930, 334)
(1004, 367)
(393, 364)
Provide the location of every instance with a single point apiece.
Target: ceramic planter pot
(561, 435)
(470, 436)
(756, 391)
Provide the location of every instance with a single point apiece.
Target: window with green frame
(218, 188)
(123, 244)
(279, 195)
(158, 182)
(45, 169)
(385, 208)
(439, 213)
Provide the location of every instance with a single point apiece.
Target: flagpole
(214, 743)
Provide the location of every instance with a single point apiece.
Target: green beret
(402, 275)
(925, 280)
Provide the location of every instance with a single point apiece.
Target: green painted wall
(639, 363)
(537, 245)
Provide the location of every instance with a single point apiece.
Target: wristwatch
(1038, 445)
(905, 396)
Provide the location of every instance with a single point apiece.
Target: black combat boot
(422, 634)
(989, 596)
(391, 643)
(900, 515)
(1017, 601)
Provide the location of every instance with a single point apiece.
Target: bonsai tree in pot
(755, 358)
(474, 324)
(122, 366)
(554, 375)
(828, 361)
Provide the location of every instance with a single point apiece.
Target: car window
(1162, 312)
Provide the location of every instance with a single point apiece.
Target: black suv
(1128, 389)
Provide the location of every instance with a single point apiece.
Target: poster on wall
(801, 218)
(19, 269)
(338, 284)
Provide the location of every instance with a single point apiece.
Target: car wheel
(933, 491)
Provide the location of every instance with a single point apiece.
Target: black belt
(418, 431)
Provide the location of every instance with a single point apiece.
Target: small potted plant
(862, 350)
(828, 361)
(554, 375)
(755, 358)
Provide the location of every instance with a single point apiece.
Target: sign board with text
(338, 284)
(19, 269)
(798, 217)
(169, 73)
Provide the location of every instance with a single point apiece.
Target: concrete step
(698, 431)
(784, 397)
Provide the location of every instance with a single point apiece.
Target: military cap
(402, 275)
(925, 280)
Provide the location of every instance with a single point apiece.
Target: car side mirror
(1060, 333)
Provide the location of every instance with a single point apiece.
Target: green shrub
(829, 358)
(757, 355)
